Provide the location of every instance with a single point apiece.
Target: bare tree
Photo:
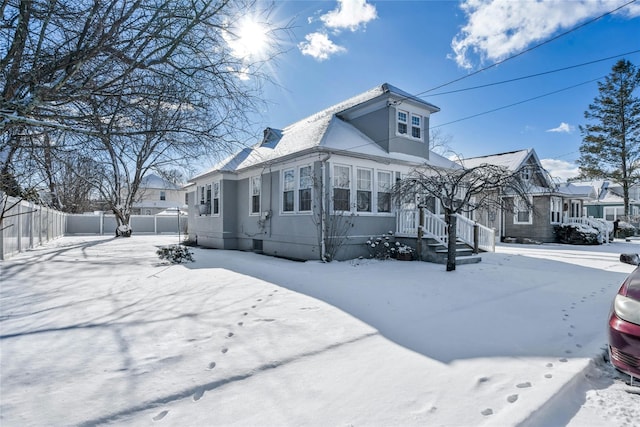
(134, 85)
(461, 190)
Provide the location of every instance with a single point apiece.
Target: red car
(624, 322)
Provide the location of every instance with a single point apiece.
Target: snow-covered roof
(512, 160)
(324, 131)
(571, 189)
(154, 181)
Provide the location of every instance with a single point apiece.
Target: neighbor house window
(525, 173)
(216, 198)
(416, 126)
(255, 194)
(341, 188)
(207, 201)
(611, 213)
(575, 209)
(163, 195)
(402, 122)
(364, 190)
(304, 189)
(384, 191)
(288, 190)
(556, 209)
(522, 211)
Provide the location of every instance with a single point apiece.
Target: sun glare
(252, 38)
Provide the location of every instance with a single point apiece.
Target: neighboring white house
(318, 188)
(157, 194)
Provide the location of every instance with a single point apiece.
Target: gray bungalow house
(552, 204)
(319, 188)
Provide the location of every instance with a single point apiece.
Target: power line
(534, 75)
(495, 64)
(518, 103)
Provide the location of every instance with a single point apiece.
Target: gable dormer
(395, 120)
(271, 137)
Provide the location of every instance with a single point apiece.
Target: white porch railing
(436, 228)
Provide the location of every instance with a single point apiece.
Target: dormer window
(416, 126)
(402, 122)
(409, 124)
(525, 174)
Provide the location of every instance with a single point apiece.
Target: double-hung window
(402, 122)
(216, 198)
(288, 190)
(163, 195)
(255, 194)
(341, 188)
(556, 210)
(384, 191)
(365, 185)
(207, 201)
(416, 126)
(522, 213)
(304, 189)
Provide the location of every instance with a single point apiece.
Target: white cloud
(319, 46)
(496, 29)
(562, 128)
(350, 14)
(560, 170)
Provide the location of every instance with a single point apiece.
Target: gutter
(323, 207)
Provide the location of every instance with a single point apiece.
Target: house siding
(539, 230)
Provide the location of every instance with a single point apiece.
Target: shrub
(384, 247)
(578, 234)
(175, 254)
(625, 230)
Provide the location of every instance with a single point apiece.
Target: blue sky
(338, 49)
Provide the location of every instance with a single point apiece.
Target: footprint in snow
(512, 398)
(548, 376)
(240, 323)
(483, 380)
(259, 299)
(160, 416)
(487, 411)
(198, 395)
(524, 385)
(230, 334)
(224, 350)
(211, 365)
(563, 360)
(549, 365)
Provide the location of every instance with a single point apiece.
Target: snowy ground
(95, 330)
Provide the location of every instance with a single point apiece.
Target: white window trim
(558, 210)
(377, 191)
(296, 190)
(213, 186)
(252, 179)
(353, 189)
(409, 124)
(515, 215)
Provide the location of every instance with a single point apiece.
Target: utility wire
(517, 103)
(495, 64)
(534, 75)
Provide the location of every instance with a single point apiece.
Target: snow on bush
(384, 247)
(175, 254)
(578, 234)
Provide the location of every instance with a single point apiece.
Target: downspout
(323, 209)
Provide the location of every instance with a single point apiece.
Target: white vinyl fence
(102, 224)
(26, 225)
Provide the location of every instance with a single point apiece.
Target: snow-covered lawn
(95, 330)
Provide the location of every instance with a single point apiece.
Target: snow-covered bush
(175, 254)
(625, 230)
(578, 234)
(384, 247)
(381, 247)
